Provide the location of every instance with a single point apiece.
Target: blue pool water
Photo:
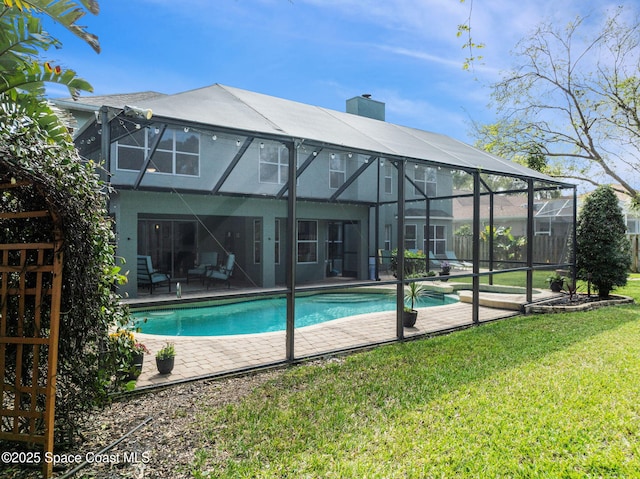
(265, 315)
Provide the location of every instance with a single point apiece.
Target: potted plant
(165, 358)
(413, 291)
(137, 360)
(556, 281)
(445, 270)
(127, 353)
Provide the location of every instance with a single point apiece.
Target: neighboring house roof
(254, 113)
(505, 206)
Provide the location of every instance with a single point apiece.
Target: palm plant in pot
(412, 294)
(165, 358)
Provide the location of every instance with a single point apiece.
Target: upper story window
(337, 171)
(178, 152)
(425, 179)
(274, 163)
(388, 178)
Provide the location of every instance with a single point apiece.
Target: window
(337, 171)
(437, 240)
(425, 179)
(274, 163)
(131, 151)
(276, 241)
(410, 237)
(307, 241)
(178, 151)
(387, 237)
(257, 241)
(388, 179)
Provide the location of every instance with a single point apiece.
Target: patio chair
(150, 278)
(455, 262)
(208, 260)
(222, 273)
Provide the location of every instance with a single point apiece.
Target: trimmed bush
(603, 250)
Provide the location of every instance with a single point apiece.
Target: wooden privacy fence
(30, 291)
(546, 249)
(634, 239)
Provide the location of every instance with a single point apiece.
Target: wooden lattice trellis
(30, 293)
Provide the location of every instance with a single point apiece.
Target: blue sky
(321, 52)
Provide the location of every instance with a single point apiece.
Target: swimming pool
(266, 314)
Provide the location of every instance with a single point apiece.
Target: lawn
(537, 396)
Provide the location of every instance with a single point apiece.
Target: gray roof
(118, 100)
(254, 113)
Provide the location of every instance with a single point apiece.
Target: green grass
(512, 278)
(537, 396)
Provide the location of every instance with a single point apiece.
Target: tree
(603, 251)
(22, 40)
(574, 102)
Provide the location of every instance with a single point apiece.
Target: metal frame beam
(147, 160)
(232, 165)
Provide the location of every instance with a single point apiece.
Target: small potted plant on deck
(165, 358)
(413, 291)
(445, 270)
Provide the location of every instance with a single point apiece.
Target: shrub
(90, 307)
(603, 251)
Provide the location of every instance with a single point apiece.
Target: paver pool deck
(209, 356)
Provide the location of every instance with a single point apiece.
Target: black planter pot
(556, 286)
(409, 318)
(165, 366)
(444, 276)
(136, 365)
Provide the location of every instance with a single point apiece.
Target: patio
(203, 357)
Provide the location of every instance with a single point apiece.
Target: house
(298, 193)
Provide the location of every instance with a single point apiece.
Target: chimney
(364, 106)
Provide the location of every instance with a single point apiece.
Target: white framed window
(131, 150)
(411, 237)
(437, 239)
(425, 178)
(337, 170)
(307, 241)
(178, 152)
(388, 179)
(387, 237)
(276, 242)
(257, 241)
(273, 159)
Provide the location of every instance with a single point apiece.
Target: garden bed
(579, 302)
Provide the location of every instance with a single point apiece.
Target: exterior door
(351, 236)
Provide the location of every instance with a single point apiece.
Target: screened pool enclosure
(309, 200)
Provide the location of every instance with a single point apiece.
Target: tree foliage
(573, 100)
(23, 40)
(603, 251)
